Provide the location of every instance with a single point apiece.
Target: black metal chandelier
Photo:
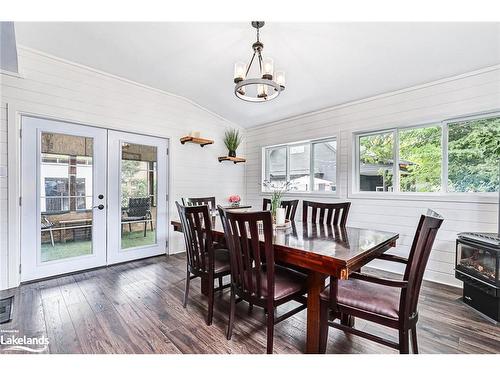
(268, 85)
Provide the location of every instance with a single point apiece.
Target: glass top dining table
(321, 250)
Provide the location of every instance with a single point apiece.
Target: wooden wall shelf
(234, 160)
(200, 141)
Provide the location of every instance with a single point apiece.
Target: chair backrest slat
(249, 256)
(198, 237)
(209, 201)
(420, 251)
(331, 211)
(289, 206)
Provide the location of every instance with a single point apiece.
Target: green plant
(232, 139)
(277, 192)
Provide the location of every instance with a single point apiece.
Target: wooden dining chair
(289, 206)
(255, 277)
(391, 303)
(209, 201)
(203, 259)
(329, 213)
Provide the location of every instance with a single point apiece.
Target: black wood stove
(478, 266)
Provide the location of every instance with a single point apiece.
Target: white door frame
(115, 252)
(32, 266)
(11, 276)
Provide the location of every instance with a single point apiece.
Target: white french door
(63, 175)
(137, 196)
(90, 197)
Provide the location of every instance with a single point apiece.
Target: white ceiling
(325, 63)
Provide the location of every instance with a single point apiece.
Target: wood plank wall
(470, 93)
(64, 90)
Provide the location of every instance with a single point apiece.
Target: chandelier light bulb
(279, 78)
(262, 91)
(240, 69)
(267, 68)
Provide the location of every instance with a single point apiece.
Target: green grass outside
(78, 248)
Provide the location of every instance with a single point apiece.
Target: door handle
(100, 207)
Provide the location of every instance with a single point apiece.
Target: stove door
(477, 261)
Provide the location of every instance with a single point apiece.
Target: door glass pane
(138, 195)
(325, 165)
(420, 159)
(65, 196)
(376, 162)
(300, 167)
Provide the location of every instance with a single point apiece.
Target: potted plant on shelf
(234, 200)
(277, 191)
(232, 140)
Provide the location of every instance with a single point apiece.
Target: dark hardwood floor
(137, 308)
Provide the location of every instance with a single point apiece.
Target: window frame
(355, 192)
(287, 146)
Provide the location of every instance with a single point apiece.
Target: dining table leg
(315, 284)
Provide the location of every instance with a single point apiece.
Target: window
(309, 166)
(325, 165)
(415, 160)
(300, 167)
(473, 155)
(56, 194)
(276, 164)
(64, 190)
(420, 159)
(376, 162)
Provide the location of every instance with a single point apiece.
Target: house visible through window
(309, 166)
(67, 181)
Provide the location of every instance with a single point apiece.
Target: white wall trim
(110, 75)
(379, 96)
(14, 192)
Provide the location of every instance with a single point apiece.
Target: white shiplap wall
(3, 195)
(466, 94)
(72, 92)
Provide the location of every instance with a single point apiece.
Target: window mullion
(311, 167)
(287, 164)
(444, 157)
(395, 150)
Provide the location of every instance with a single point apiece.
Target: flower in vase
(234, 200)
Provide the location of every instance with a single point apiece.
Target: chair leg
(404, 347)
(186, 291)
(51, 237)
(414, 343)
(210, 301)
(347, 320)
(129, 227)
(232, 308)
(145, 227)
(250, 307)
(151, 224)
(270, 330)
(323, 327)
